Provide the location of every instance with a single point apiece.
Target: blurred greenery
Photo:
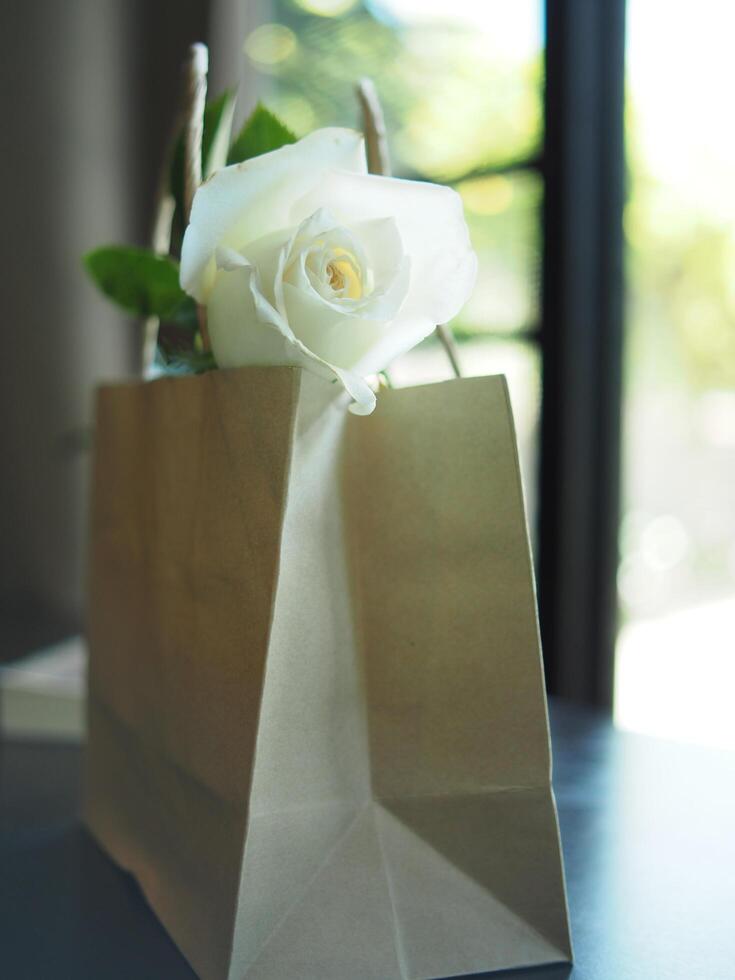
(680, 215)
(448, 107)
(502, 213)
(680, 264)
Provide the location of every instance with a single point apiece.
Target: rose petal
(341, 338)
(244, 328)
(249, 200)
(237, 334)
(376, 246)
(390, 265)
(431, 226)
(398, 337)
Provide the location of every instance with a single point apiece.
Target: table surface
(648, 829)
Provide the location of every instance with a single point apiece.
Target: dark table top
(648, 828)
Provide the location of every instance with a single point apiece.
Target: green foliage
(261, 133)
(215, 136)
(141, 282)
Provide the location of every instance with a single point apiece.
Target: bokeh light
(326, 8)
(270, 44)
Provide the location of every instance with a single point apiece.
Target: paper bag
(317, 723)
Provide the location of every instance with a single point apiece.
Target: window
(676, 658)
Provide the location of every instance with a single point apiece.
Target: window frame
(581, 345)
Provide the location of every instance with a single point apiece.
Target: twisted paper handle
(376, 145)
(195, 98)
(196, 69)
(191, 116)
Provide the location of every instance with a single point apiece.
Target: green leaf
(261, 133)
(139, 281)
(215, 137)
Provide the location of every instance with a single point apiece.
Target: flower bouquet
(317, 724)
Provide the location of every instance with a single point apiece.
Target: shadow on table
(62, 901)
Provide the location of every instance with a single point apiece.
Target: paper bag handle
(378, 159)
(191, 116)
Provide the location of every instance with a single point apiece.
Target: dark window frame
(581, 343)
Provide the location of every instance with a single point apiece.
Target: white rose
(303, 258)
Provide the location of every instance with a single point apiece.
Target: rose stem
(376, 144)
(195, 99)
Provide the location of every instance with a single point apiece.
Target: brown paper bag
(318, 732)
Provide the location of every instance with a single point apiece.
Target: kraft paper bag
(317, 724)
